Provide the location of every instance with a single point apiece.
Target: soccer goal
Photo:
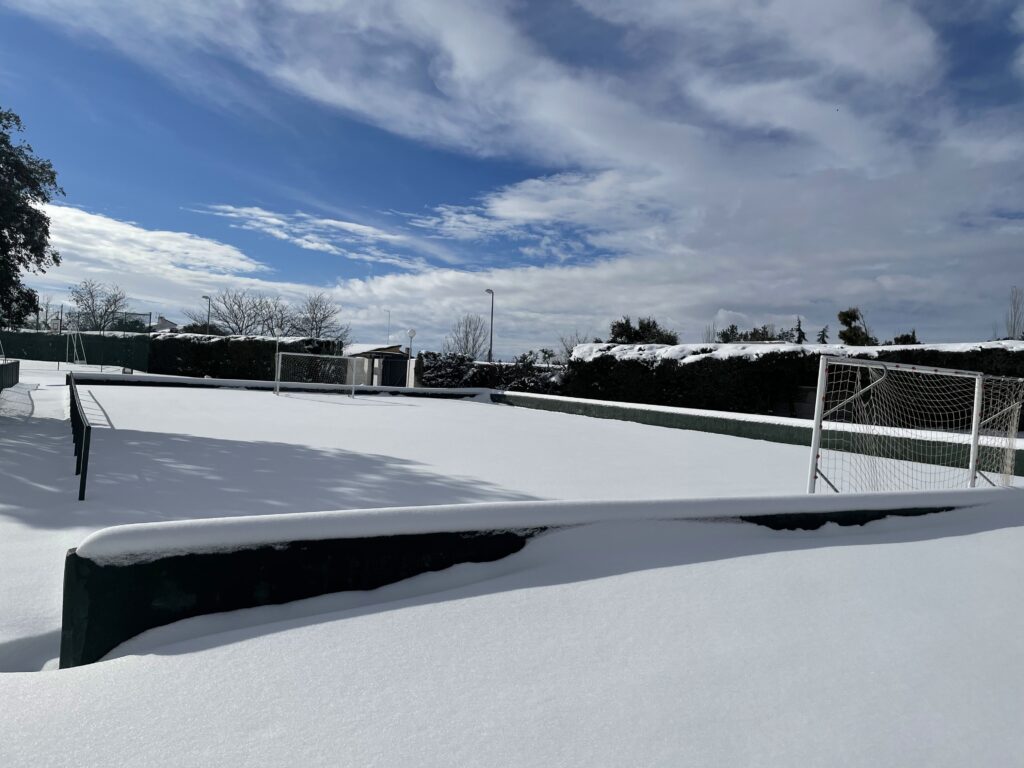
(301, 368)
(887, 427)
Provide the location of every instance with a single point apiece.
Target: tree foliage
(26, 183)
(646, 331)
(855, 331)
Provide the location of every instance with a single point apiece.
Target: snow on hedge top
(691, 353)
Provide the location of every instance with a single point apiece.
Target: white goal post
(891, 427)
(304, 368)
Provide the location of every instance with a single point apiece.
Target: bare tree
(710, 334)
(468, 337)
(238, 312)
(44, 312)
(568, 342)
(98, 304)
(317, 316)
(1015, 314)
(278, 318)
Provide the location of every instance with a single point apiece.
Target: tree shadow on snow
(146, 476)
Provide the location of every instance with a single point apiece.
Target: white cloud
(757, 158)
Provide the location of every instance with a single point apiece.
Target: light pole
(209, 301)
(490, 347)
(389, 324)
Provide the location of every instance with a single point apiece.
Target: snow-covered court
(618, 643)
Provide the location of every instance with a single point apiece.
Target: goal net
(887, 427)
(300, 368)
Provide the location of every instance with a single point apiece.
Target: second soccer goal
(300, 368)
(885, 427)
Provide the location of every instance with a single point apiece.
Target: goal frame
(279, 356)
(820, 414)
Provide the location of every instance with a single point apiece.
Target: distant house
(388, 363)
(163, 324)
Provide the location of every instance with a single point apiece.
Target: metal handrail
(81, 433)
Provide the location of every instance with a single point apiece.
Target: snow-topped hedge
(225, 357)
(750, 378)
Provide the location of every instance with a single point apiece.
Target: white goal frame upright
(355, 369)
(882, 426)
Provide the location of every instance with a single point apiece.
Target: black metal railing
(9, 370)
(81, 432)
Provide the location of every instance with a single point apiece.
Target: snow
(173, 453)
(656, 643)
(638, 641)
(691, 353)
(149, 541)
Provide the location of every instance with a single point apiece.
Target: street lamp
(209, 301)
(490, 347)
(389, 324)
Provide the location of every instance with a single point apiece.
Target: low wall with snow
(776, 429)
(9, 373)
(122, 581)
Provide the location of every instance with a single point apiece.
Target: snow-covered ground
(640, 643)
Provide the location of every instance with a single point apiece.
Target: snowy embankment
(654, 643)
(691, 353)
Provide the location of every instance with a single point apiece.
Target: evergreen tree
(801, 337)
(823, 335)
(26, 183)
(646, 331)
(855, 330)
(907, 338)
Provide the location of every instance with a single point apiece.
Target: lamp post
(490, 346)
(389, 324)
(209, 301)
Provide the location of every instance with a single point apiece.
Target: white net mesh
(898, 428)
(321, 369)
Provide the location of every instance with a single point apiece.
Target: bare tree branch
(317, 316)
(1015, 314)
(468, 337)
(98, 304)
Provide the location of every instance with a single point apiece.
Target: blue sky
(704, 162)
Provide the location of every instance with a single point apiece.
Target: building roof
(353, 350)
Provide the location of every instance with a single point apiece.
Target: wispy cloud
(350, 240)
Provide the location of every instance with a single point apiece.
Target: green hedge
(520, 375)
(183, 354)
(130, 351)
(768, 384)
(224, 357)
(733, 384)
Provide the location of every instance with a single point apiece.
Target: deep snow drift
(670, 644)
